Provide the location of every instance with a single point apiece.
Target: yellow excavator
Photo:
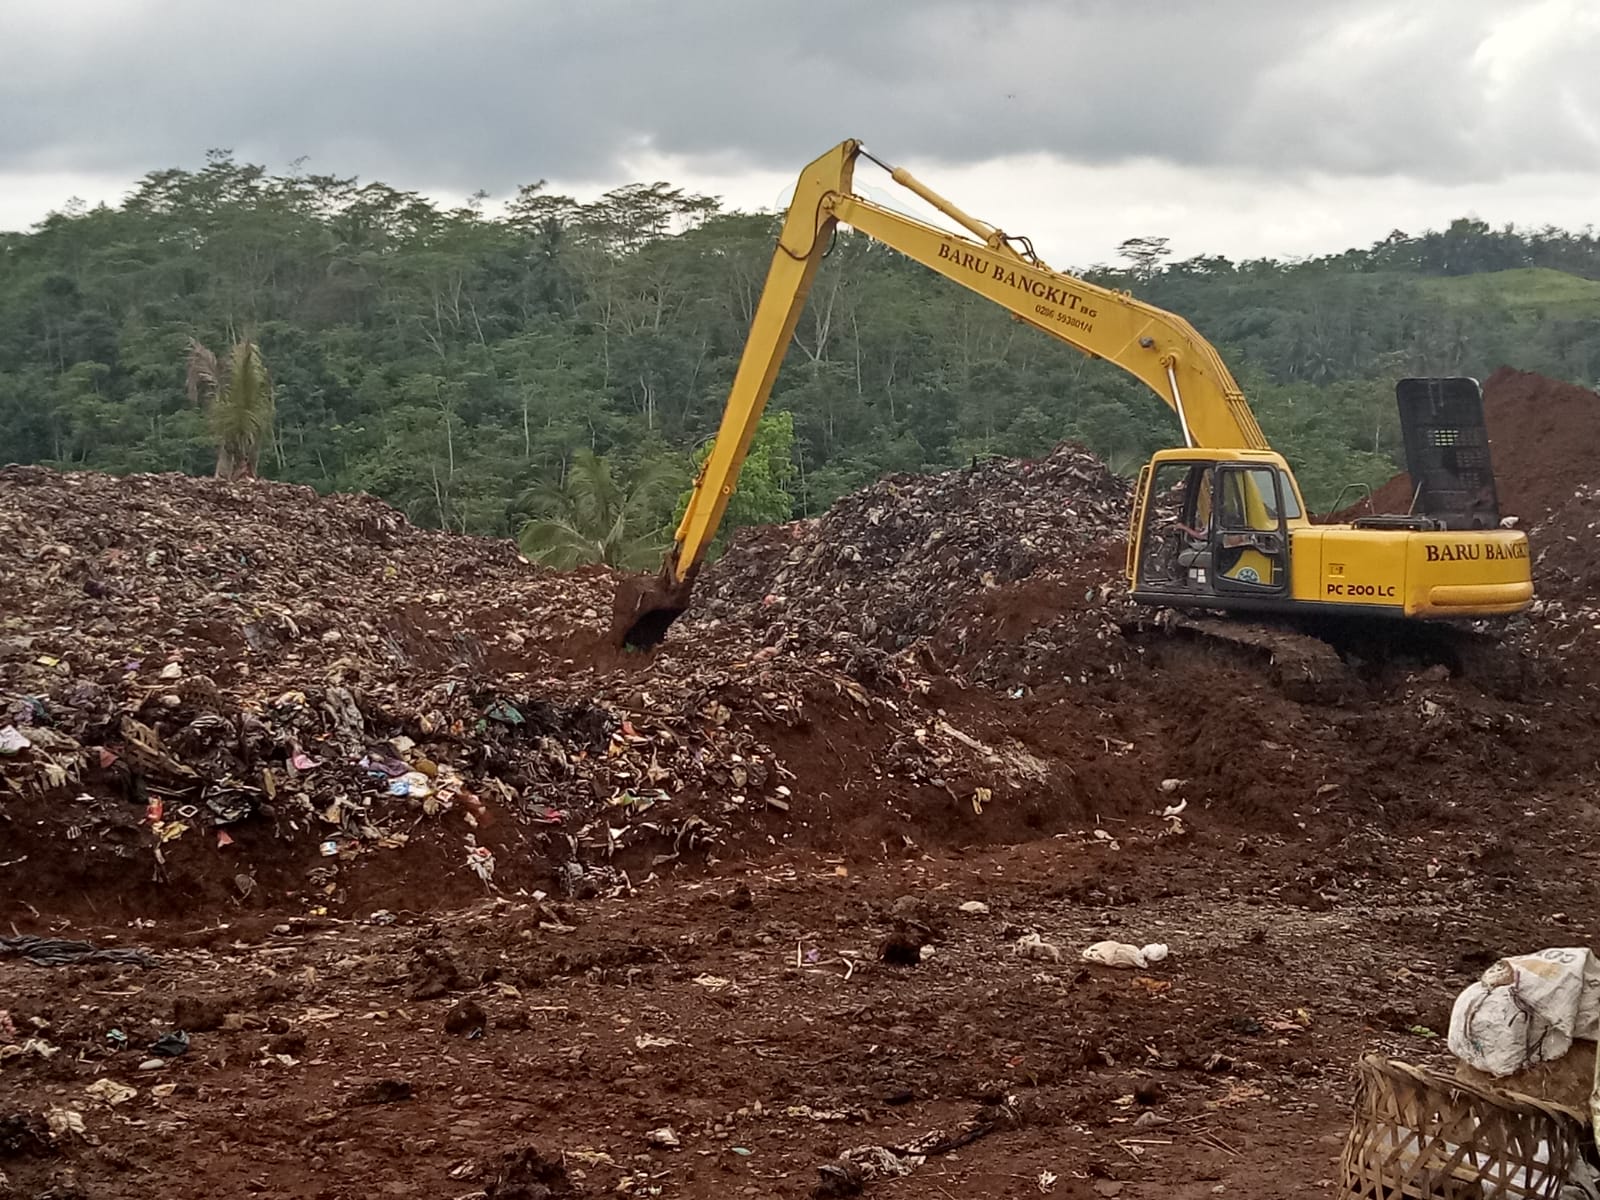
(1217, 524)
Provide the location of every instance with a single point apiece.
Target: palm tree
(589, 517)
(237, 393)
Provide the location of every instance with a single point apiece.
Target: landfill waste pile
(254, 694)
(1007, 572)
(891, 562)
(343, 858)
(205, 682)
(186, 660)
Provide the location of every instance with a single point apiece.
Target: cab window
(1291, 506)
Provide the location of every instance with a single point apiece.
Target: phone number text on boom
(1070, 320)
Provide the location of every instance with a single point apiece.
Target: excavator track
(1319, 660)
(1301, 665)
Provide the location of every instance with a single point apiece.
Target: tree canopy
(237, 393)
(456, 361)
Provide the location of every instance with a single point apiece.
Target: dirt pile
(891, 562)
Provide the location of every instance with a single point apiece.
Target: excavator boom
(1245, 541)
(1161, 349)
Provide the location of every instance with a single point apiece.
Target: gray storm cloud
(492, 93)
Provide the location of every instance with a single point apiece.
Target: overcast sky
(1243, 127)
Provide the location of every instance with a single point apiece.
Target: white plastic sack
(1527, 1010)
(1120, 954)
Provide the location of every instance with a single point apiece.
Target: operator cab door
(1249, 539)
(1213, 531)
(1175, 540)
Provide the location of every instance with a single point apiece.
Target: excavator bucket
(645, 606)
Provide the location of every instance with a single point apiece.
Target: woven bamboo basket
(1426, 1137)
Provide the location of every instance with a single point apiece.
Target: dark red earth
(778, 977)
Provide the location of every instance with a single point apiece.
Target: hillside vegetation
(456, 363)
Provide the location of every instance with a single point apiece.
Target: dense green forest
(479, 370)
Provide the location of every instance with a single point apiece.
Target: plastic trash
(412, 783)
(1121, 954)
(58, 952)
(1031, 945)
(170, 1045)
(480, 860)
(112, 1092)
(506, 714)
(64, 1122)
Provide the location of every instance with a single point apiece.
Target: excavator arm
(1162, 350)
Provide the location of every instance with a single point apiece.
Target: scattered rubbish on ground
(1031, 945)
(110, 1091)
(1121, 954)
(378, 1091)
(466, 1019)
(65, 1123)
(170, 1045)
(60, 952)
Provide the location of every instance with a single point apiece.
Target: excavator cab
(1213, 528)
